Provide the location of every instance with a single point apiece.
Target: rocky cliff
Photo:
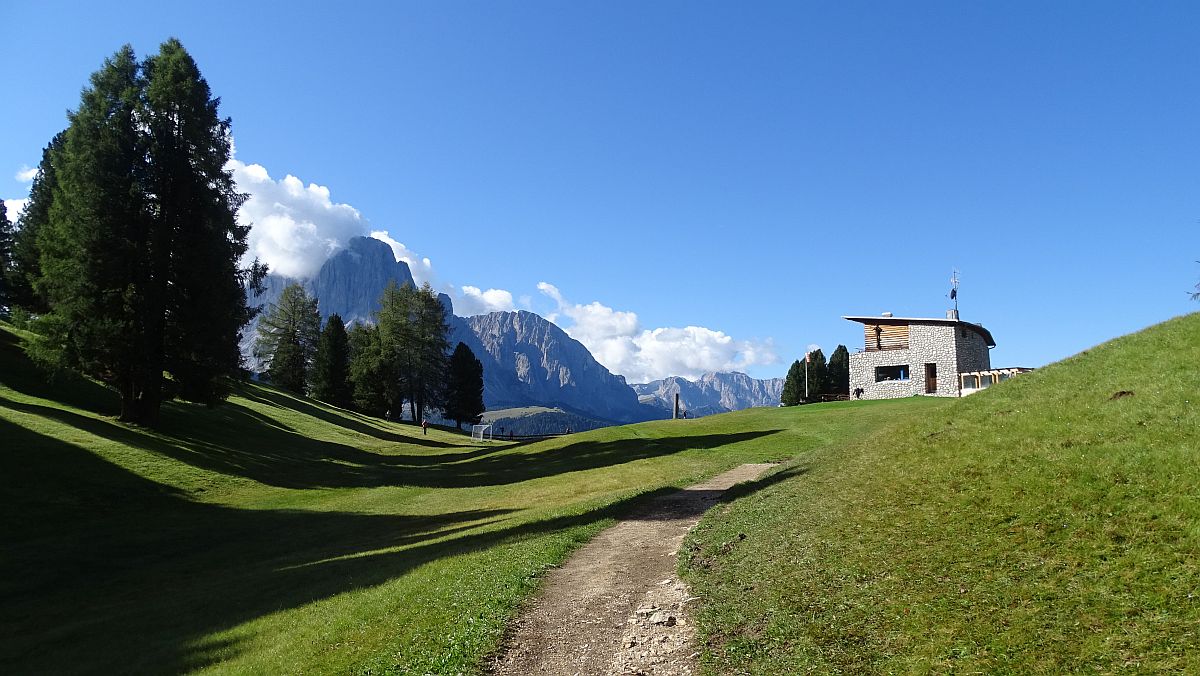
(712, 393)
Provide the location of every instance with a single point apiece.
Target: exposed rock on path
(616, 607)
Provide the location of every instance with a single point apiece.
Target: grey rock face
(536, 363)
(712, 393)
(352, 280)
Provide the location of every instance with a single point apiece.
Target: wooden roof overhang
(905, 321)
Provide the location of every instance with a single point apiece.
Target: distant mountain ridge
(712, 393)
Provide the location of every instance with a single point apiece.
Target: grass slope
(1047, 524)
(275, 534)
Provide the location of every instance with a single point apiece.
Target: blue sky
(752, 170)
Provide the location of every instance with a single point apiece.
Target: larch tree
(197, 243)
(287, 338)
(139, 256)
(331, 367)
(464, 386)
(793, 385)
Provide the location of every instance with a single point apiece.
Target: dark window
(970, 382)
(884, 373)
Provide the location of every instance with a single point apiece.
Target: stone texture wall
(973, 353)
(943, 345)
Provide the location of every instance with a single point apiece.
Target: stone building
(904, 356)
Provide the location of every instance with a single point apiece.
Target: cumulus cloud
(472, 300)
(14, 208)
(421, 267)
(294, 227)
(26, 173)
(617, 340)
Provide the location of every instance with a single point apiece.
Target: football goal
(481, 432)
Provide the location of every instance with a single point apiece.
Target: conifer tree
(26, 264)
(196, 241)
(287, 338)
(818, 376)
(839, 371)
(331, 368)
(432, 362)
(464, 388)
(793, 385)
(366, 371)
(6, 263)
(139, 256)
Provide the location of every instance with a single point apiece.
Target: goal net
(481, 432)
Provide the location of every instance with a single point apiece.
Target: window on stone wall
(885, 373)
(970, 382)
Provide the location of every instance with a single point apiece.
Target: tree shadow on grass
(105, 571)
(346, 419)
(238, 441)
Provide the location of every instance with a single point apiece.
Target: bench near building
(906, 356)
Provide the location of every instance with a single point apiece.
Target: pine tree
(94, 249)
(818, 376)
(287, 338)
(398, 347)
(464, 388)
(197, 242)
(331, 368)
(26, 263)
(839, 371)
(793, 385)
(138, 257)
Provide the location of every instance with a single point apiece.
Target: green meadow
(1048, 524)
(275, 534)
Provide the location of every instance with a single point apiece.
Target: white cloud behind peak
(617, 340)
(26, 173)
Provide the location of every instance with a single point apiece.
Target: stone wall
(943, 345)
(973, 353)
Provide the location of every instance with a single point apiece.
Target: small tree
(839, 371)
(464, 389)
(793, 385)
(287, 338)
(331, 367)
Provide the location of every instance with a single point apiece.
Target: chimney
(952, 314)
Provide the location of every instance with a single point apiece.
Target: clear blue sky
(757, 169)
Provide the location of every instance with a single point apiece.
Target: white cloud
(294, 227)
(474, 301)
(14, 208)
(421, 267)
(26, 173)
(617, 340)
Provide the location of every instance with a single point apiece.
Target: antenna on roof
(954, 290)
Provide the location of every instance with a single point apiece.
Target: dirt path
(616, 606)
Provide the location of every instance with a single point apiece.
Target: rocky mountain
(712, 393)
(528, 361)
(349, 283)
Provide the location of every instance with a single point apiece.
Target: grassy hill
(1047, 524)
(275, 534)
